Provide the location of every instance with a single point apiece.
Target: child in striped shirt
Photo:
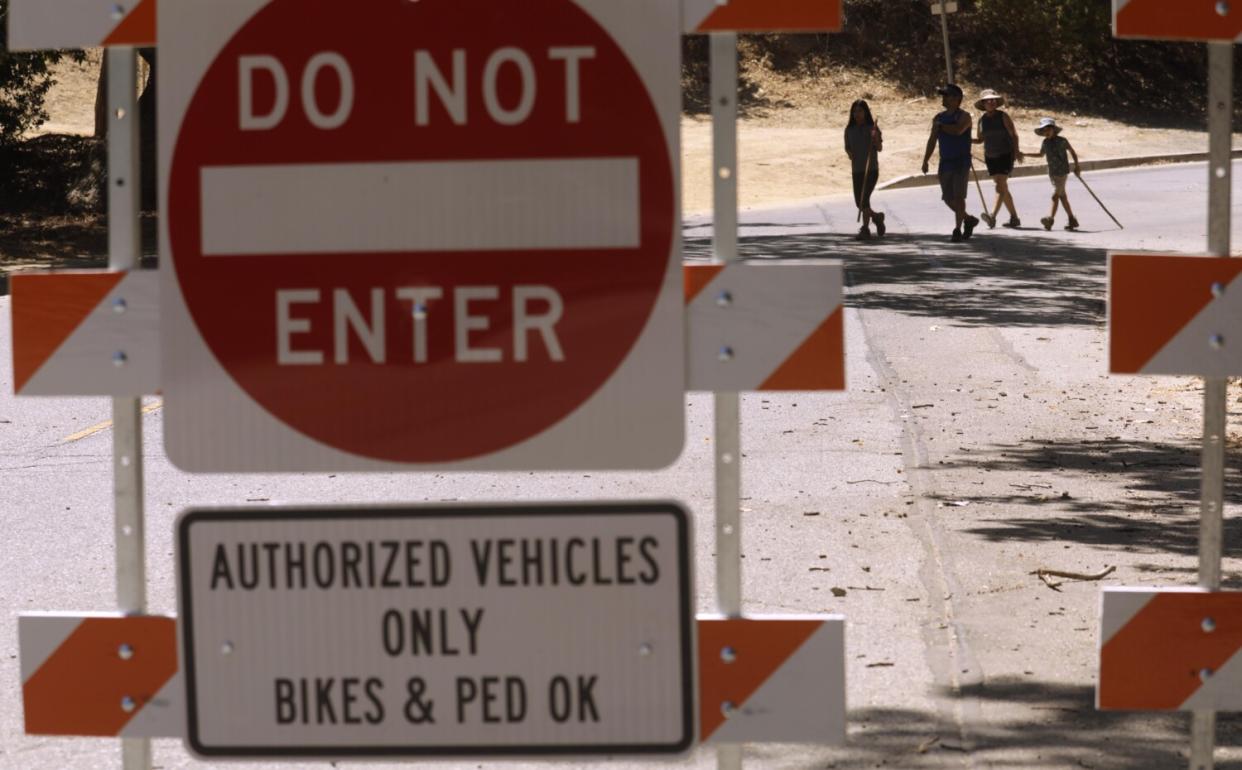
(1056, 148)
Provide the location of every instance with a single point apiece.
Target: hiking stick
(1097, 200)
(862, 192)
(979, 187)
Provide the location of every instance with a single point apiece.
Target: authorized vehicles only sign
(559, 629)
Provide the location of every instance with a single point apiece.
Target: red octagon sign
(421, 232)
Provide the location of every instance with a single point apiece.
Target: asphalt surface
(980, 439)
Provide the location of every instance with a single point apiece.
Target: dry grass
(71, 102)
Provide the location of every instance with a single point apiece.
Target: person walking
(1055, 148)
(951, 131)
(863, 142)
(1000, 149)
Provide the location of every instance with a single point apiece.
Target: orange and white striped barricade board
(764, 327)
(1170, 649)
(748, 327)
(100, 675)
(1174, 315)
(783, 678)
(36, 25)
(1195, 20)
(772, 679)
(85, 333)
(47, 24)
(703, 16)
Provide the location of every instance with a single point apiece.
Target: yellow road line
(91, 431)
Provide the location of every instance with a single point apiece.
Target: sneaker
(1073, 224)
(968, 226)
(864, 234)
(880, 229)
(1046, 222)
(956, 237)
(991, 220)
(1013, 222)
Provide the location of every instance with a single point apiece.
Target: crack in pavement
(950, 659)
(1006, 347)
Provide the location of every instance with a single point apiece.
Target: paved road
(980, 439)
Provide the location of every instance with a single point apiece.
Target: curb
(928, 180)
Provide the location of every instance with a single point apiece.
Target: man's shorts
(1058, 184)
(954, 181)
(1001, 165)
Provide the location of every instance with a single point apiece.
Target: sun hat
(949, 89)
(986, 95)
(1046, 123)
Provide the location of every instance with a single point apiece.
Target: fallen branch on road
(1047, 575)
(1076, 575)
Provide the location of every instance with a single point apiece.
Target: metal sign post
(944, 30)
(727, 413)
(1217, 25)
(1220, 119)
(124, 253)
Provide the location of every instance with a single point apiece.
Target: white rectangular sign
(548, 630)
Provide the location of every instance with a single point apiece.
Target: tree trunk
(147, 136)
(101, 101)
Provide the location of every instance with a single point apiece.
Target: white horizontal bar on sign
(492, 205)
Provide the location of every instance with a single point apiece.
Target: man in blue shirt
(951, 131)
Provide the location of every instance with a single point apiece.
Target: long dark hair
(866, 111)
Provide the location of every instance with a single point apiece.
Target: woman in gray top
(863, 141)
(1000, 149)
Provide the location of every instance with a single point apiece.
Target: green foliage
(52, 174)
(1059, 53)
(1064, 50)
(24, 82)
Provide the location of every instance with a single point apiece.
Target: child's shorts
(1058, 184)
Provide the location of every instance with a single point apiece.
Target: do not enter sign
(437, 233)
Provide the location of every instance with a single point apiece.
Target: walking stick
(862, 193)
(979, 187)
(1097, 200)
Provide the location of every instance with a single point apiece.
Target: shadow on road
(1163, 480)
(993, 280)
(1059, 729)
